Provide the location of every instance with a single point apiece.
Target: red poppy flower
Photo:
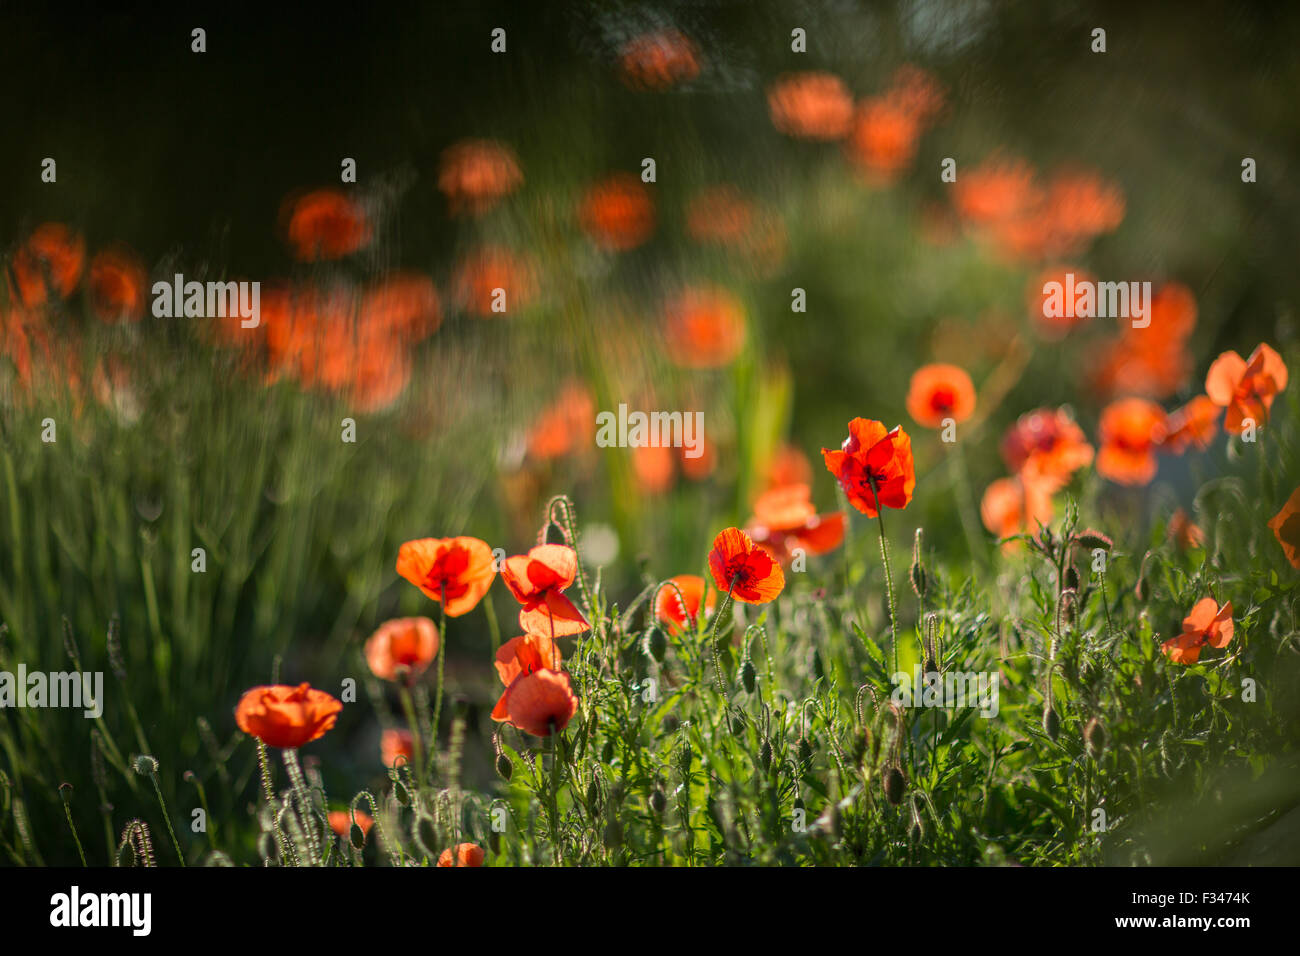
(618, 213)
(117, 286)
(537, 580)
(476, 173)
(1208, 624)
(1048, 443)
(491, 275)
(404, 647)
(720, 214)
(1128, 432)
(659, 60)
(466, 854)
(681, 611)
(326, 224)
(1192, 425)
(786, 522)
(938, 392)
(287, 717)
(873, 466)
(811, 105)
(882, 141)
(540, 703)
(461, 568)
(705, 328)
(1184, 532)
(1286, 526)
(563, 425)
(1020, 504)
(743, 569)
(396, 744)
(1246, 388)
(519, 657)
(404, 306)
(50, 260)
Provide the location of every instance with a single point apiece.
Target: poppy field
(832, 435)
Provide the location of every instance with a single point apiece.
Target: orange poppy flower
(999, 189)
(744, 570)
(461, 567)
(341, 822)
(720, 214)
(1048, 443)
(396, 744)
(404, 647)
(1192, 425)
(653, 467)
(537, 580)
(618, 213)
(1208, 624)
(326, 224)
(1128, 432)
(873, 466)
(705, 328)
(1081, 205)
(1017, 505)
(563, 425)
(404, 306)
(812, 105)
(1054, 327)
(50, 260)
(467, 854)
(1173, 315)
(658, 60)
(476, 173)
(785, 522)
(287, 717)
(117, 286)
(540, 703)
(938, 392)
(481, 273)
(1184, 533)
(1246, 388)
(788, 466)
(701, 466)
(519, 657)
(883, 139)
(1286, 526)
(681, 611)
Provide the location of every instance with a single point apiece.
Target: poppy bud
(765, 754)
(657, 642)
(1051, 722)
(748, 676)
(658, 802)
(894, 785)
(737, 725)
(1094, 735)
(504, 766)
(145, 765)
(401, 793)
(930, 667)
(1072, 578)
(684, 757)
(357, 836)
(805, 750)
(593, 796)
(1092, 540)
(916, 573)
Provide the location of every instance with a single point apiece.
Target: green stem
(889, 574)
(167, 818)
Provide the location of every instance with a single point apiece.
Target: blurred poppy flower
(564, 425)
(658, 60)
(493, 276)
(466, 854)
(537, 580)
(1020, 504)
(404, 306)
(326, 224)
(653, 467)
(681, 611)
(617, 212)
(744, 570)
(882, 141)
(1193, 425)
(704, 328)
(874, 466)
(999, 189)
(810, 105)
(1048, 443)
(50, 260)
(117, 285)
(476, 173)
(1127, 433)
(785, 522)
(1207, 624)
(341, 822)
(788, 466)
(396, 744)
(938, 392)
(1246, 387)
(1184, 533)
(720, 214)
(540, 703)
(402, 648)
(1041, 303)
(462, 568)
(1286, 527)
(1080, 205)
(286, 717)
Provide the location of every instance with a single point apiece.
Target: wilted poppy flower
(117, 286)
(1192, 425)
(1246, 388)
(564, 425)
(658, 60)
(476, 173)
(744, 570)
(537, 580)
(284, 716)
(1016, 505)
(618, 213)
(1184, 533)
(785, 522)
(467, 854)
(540, 703)
(1127, 432)
(396, 744)
(519, 657)
(1208, 624)
(938, 392)
(492, 280)
(341, 822)
(50, 260)
(404, 647)
(704, 328)
(1047, 442)
(1286, 526)
(462, 568)
(680, 611)
(812, 105)
(326, 224)
(874, 466)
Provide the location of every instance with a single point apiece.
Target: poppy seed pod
(504, 766)
(357, 837)
(894, 785)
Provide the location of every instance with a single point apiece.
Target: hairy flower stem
(889, 574)
(417, 737)
(719, 680)
(494, 629)
(306, 806)
(167, 817)
(65, 792)
(966, 508)
(442, 660)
